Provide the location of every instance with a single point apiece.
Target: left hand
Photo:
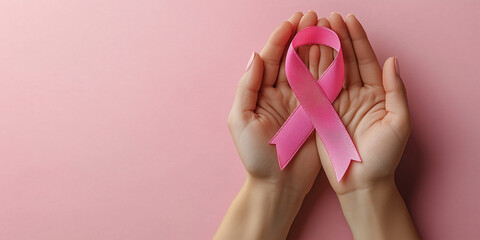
(263, 102)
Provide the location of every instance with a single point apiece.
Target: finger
(295, 20)
(314, 60)
(247, 91)
(352, 75)
(281, 78)
(370, 71)
(308, 20)
(396, 103)
(326, 53)
(272, 53)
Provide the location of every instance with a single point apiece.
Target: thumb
(248, 87)
(396, 103)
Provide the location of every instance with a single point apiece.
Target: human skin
(372, 105)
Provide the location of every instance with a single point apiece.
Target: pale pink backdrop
(113, 115)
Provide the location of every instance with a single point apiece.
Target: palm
(274, 105)
(363, 112)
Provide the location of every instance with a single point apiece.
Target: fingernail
(250, 61)
(397, 68)
(335, 13)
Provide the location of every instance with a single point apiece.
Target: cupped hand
(373, 107)
(263, 102)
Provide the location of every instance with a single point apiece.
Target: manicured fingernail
(397, 68)
(250, 61)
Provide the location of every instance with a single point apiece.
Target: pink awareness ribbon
(315, 110)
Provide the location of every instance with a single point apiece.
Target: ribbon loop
(315, 110)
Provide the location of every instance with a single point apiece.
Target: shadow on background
(409, 169)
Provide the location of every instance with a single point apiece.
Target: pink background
(113, 115)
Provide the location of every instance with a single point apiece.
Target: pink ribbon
(315, 110)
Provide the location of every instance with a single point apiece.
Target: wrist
(271, 208)
(278, 197)
(370, 194)
(377, 212)
(263, 209)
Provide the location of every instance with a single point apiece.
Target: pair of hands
(372, 105)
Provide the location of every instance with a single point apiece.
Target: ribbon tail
(341, 159)
(333, 134)
(291, 136)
